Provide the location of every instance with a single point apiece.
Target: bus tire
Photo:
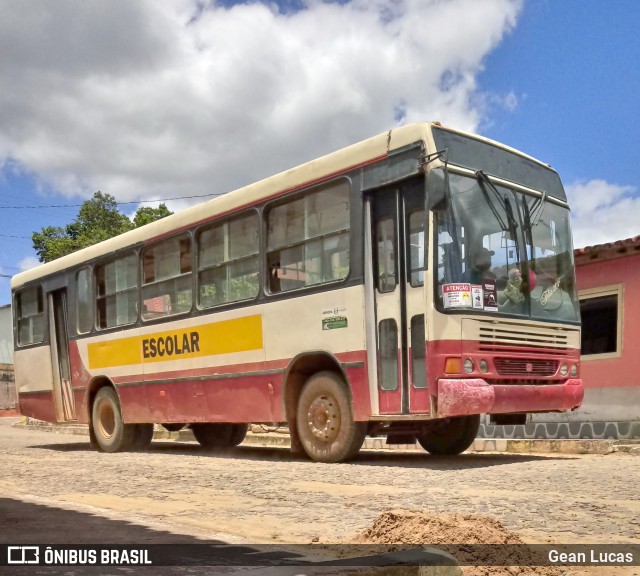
(143, 436)
(325, 420)
(110, 432)
(452, 437)
(238, 434)
(171, 427)
(213, 436)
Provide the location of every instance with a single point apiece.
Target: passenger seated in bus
(480, 266)
(513, 291)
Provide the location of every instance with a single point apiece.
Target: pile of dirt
(408, 527)
(451, 533)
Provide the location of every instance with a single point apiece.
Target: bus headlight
(574, 370)
(468, 365)
(484, 367)
(564, 370)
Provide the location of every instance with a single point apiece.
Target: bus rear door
(63, 392)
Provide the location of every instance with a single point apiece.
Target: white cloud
(28, 263)
(603, 212)
(486, 103)
(510, 101)
(153, 99)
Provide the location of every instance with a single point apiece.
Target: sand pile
(448, 532)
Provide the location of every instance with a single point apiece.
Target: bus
(400, 287)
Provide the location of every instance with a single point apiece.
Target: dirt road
(267, 495)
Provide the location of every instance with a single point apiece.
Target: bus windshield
(500, 250)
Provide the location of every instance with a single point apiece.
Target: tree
(98, 219)
(147, 214)
(53, 242)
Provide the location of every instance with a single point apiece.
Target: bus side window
(116, 284)
(84, 301)
(308, 239)
(30, 315)
(166, 278)
(228, 261)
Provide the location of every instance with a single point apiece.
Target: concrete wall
(619, 377)
(6, 335)
(8, 393)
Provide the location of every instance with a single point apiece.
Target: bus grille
(497, 336)
(525, 367)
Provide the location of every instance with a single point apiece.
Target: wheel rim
(106, 419)
(323, 418)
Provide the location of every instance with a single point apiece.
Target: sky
(178, 99)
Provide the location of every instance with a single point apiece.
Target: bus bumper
(475, 396)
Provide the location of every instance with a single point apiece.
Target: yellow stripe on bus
(226, 337)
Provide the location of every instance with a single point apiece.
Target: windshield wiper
(537, 209)
(528, 231)
(481, 176)
(512, 225)
(532, 217)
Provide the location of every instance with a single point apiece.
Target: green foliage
(98, 219)
(52, 242)
(147, 214)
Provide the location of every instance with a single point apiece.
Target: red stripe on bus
(39, 405)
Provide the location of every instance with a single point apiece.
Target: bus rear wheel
(109, 430)
(450, 437)
(213, 436)
(325, 421)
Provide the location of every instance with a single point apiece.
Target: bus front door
(62, 390)
(396, 245)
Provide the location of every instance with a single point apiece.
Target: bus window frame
(104, 262)
(226, 219)
(92, 299)
(141, 284)
(268, 206)
(43, 313)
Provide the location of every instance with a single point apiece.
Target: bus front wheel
(325, 421)
(110, 432)
(450, 437)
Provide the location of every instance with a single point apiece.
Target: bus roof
(314, 171)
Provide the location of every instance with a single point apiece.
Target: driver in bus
(480, 266)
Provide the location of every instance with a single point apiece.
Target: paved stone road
(267, 495)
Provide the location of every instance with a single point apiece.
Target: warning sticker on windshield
(490, 299)
(456, 295)
(476, 296)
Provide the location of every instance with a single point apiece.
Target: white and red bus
(400, 287)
